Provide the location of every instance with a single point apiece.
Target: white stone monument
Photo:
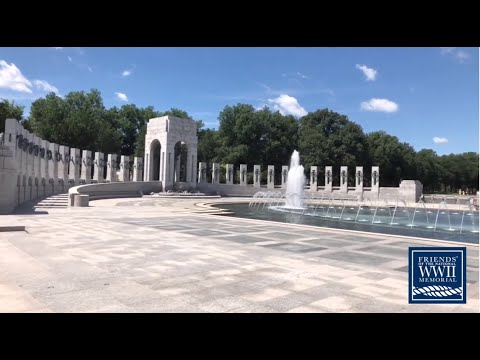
(271, 177)
(257, 175)
(99, 165)
(202, 172)
(215, 173)
(359, 179)
(137, 168)
(313, 178)
(328, 179)
(243, 175)
(375, 180)
(344, 179)
(229, 174)
(63, 158)
(86, 172)
(165, 136)
(111, 168)
(124, 168)
(284, 176)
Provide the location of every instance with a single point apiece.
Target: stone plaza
(172, 255)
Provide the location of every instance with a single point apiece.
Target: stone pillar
(111, 168)
(257, 175)
(271, 177)
(313, 178)
(359, 179)
(137, 168)
(52, 157)
(8, 180)
(36, 156)
(99, 164)
(202, 172)
(284, 176)
(375, 180)
(243, 174)
(74, 169)
(86, 175)
(410, 191)
(43, 176)
(29, 169)
(328, 179)
(344, 179)
(63, 157)
(215, 173)
(177, 167)
(229, 174)
(124, 168)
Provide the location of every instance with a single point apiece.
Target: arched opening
(155, 148)
(180, 162)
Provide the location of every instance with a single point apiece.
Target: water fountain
(389, 215)
(295, 183)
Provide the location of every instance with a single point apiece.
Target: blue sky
(428, 97)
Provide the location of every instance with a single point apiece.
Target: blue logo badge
(437, 275)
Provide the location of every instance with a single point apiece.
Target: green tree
(9, 110)
(329, 138)
(79, 120)
(396, 159)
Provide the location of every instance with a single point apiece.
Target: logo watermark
(437, 275)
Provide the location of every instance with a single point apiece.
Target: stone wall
(32, 168)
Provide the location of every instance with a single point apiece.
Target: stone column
(124, 168)
(99, 164)
(215, 173)
(257, 175)
(271, 177)
(243, 174)
(29, 169)
(86, 175)
(359, 179)
(202, 172)
(410, 191)
(37, 182)
(284, 176)
(111, 168)
(229, 174)
(63, 157)
(52, 157)
(74, 170)
(344, 179)
(137, 168)
(375, 180)
(42, 154)
(328, 179)
(313, 178)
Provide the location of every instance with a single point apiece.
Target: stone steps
(54, 201)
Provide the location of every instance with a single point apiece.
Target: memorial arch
(171, 152)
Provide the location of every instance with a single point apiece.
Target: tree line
(249, 136)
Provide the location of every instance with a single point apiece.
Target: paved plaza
(171, 255)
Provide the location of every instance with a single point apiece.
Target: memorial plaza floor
(170, 255)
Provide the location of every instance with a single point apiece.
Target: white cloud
(440, 140)
(45, 86)
(370, 73)
(288, 105)
(379, 105)
(12, 78)
(90, 69)
(121, 96)
(126, 73)
(303, 76)
(460, 55)
(69, 58)
(57, 48)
